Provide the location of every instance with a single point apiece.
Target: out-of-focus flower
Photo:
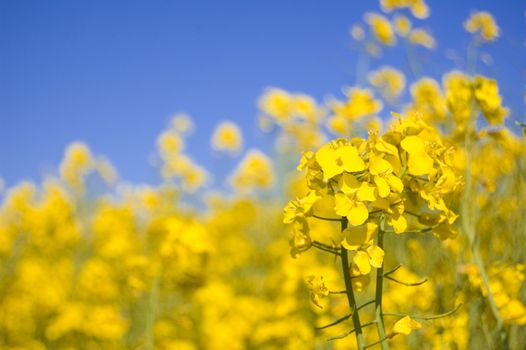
(403, 326)
(360, 104)
(182, 123)
(276, 103)
(77, 162)
(381, 28)
(402, 25)
(227, 137)
(317, 288)
(389, 81)
(484, 24)
(419, 36)
(357, 32)
(170, 143)
(486, 92)
(253, 172)
(418, 8)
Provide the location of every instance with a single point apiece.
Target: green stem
(411, 61)
(468, 226)
(344, 254)
(151, 313)
(378, 297)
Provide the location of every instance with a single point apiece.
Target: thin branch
(377, 342)
(411, 213)
(326, 219)
(424, 230)
(392, 271)
(326, 248)
(426, 318)
(405, 283)
(345, 317)
(350, 332)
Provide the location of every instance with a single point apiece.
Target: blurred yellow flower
(254, 171)
(402, 25)
(403, 326)
(484, 24)
(227, 137)
(381, 28)
(421, 37)
(418, 8)
(389, 81)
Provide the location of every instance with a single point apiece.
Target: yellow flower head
(421, 37)
(254, 171)
(227, 137)
(403, 326)
(402, 25)
(389, 81)
(381, 28)
(418, 8)
(276, 103)
(484, 24)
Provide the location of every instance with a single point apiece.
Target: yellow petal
(354, 237)
(342, 204)
(378, 165)
(413, 145)
(328, 160)
(382, 186)
(381, 203)
(399, 223)
(358, 213)
(420, 164)
(366, 192)
(348, 183)
(404, 326)
(309, 200)
(376, 256)
(395, 183)
(350, 158)
(361, 260)
(386, 147)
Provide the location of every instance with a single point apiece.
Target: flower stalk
(344, 254)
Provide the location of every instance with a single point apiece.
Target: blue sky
(111, 73)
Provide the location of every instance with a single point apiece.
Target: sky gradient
(112, 73)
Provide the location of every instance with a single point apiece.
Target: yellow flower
(403, 326)
(182, 123)
(254, 171)
(227, 137)
(418, 8)
(402, 25)
(276, 103)
(360, 104)
(419, 36)
(317, 288)
(170, 143)
(381, 28)
(486, 92)
(389, 81)
(483, 23)
(355, 237)
(334, 161)
(299, 208)
(350, 202)
(419, 163)
(77, 162)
